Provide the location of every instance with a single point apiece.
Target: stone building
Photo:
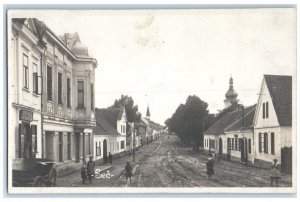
(58, 87)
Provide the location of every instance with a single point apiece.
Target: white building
(24, 94)
(232, 135)
(273, 122)
(110, 132)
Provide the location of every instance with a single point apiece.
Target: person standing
(128, 171)
(210, 166)
(275, 173)
(83, 174)
(90, 169)
(110, 158)
(52, 175)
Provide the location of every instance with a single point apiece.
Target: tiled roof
(280, 88)
(246, 123)
(228, 120)
(106, 121)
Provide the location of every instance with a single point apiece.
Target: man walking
(210, 166)
(110, 158)
(90, 169)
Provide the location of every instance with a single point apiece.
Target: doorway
(105, 151)
(220, 147)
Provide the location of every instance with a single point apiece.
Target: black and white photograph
(152, 100)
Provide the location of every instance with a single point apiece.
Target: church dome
(231, 92)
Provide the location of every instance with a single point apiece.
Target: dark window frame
(80, 92)
(25, 72)
(68, 92)
(49, 83)
(59, 88)
(272, 143)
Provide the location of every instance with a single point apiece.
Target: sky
(160, 57)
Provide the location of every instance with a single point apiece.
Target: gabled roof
(106, 121)
(280, 88)
(244, 123)
(229, 120)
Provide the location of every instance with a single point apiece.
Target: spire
(148, 113)
(231, 95)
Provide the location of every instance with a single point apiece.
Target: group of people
(88, 170)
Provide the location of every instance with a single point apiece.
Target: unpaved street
(168, 163)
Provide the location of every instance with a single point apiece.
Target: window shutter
(266, 143)
(264, 110)
(259, 142)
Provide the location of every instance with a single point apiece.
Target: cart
(37, 176)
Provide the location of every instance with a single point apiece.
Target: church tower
(148, 113)
(231, 95)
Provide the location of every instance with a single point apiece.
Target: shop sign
(26, 115)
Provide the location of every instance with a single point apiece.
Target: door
(242, 149)
(220, 147)
(228, 148)
(76, 144)
(60, 147)
(105, 150)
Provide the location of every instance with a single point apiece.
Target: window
(68, 92)
(98, 148)
(59, 86)
(49, 83)
(92, 97)
(259, 142)
(69, 145)
(266, 143)
(249, 143)
(272, 143)
(25, 71)
(35, 78)
(80, 94)
(267, 109)
(232, 144)
(264, 109)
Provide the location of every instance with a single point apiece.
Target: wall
(268, 157)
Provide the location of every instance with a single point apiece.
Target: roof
(280, 88)
(106, 121)
(244, 123)
(231, 120)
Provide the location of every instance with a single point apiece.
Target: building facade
(53, 94)
(109, 133)
(24, 94)
(273, 123)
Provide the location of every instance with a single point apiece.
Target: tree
(189, 120)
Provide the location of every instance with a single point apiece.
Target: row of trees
(190, 120)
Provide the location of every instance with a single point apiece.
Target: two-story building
(273, 123)
(52, 98)
(24, 93)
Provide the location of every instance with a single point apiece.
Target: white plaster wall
(268, 157)
(272, 121)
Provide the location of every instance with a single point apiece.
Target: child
(83, 174)
(275, 173)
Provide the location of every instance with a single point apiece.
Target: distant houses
(257, 134)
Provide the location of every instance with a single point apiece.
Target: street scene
(167, 163)
(151, 99)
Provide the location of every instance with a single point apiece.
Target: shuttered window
(272, 143)
(259, 142)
